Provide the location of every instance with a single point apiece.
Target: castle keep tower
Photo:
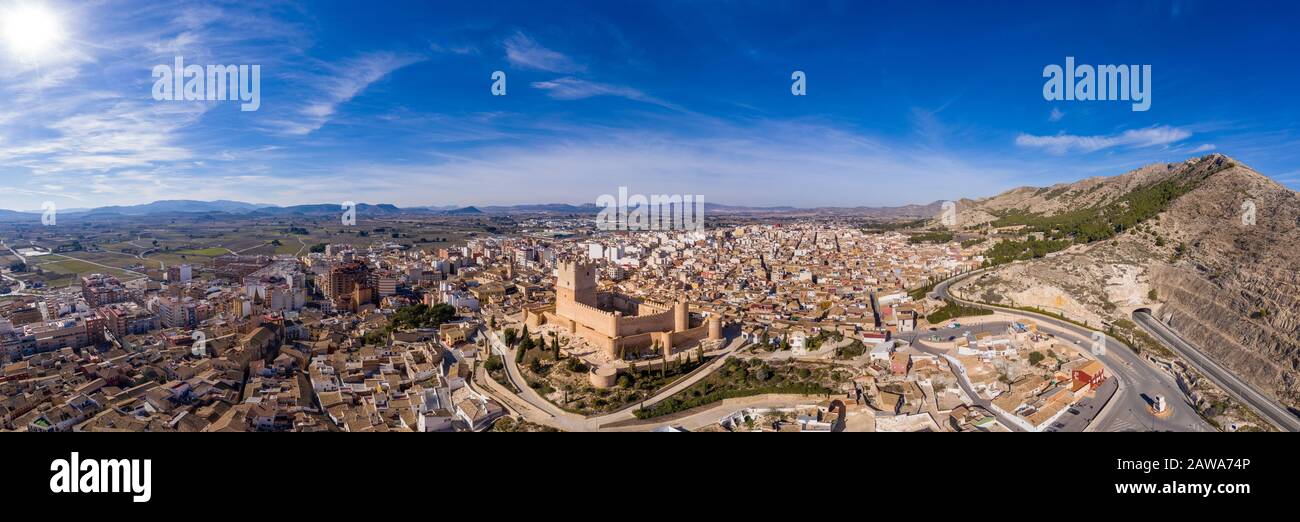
(576, 283)
(617, 324)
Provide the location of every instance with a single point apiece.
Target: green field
(206, 252)
(76, 268)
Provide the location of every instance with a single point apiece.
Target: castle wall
(647, 323)
(594, 318)
(535, 317)
(601, 341)
(636, 328)
(689, 337)
(633, 344)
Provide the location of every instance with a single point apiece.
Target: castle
(618, 324)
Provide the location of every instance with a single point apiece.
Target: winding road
(1239, 389)
(1139, 382)
(542, 411)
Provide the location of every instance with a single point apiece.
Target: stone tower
(681, 316)
(575, 282)
(715, 327)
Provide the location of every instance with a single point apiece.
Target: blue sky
(907, 102)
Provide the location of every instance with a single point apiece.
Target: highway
(1139, 382)
(22, 286)
(1240, 390)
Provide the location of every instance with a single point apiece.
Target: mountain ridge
(1228, 283)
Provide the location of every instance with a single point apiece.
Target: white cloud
(1204, 148)
(569, 88)
(117, 134)
(340, 84)
(523, 52)
(1056, 115)
(763, 163)
(1063, 143)
(453, 49)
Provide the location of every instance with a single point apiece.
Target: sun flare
(31, 31)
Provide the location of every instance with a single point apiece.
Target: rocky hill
(1168, 237)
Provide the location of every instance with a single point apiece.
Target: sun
(31, 31)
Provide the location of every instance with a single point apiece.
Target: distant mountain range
(252, 209)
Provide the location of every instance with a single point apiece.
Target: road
(964, 382)
(101, 265)
(1139, 382)
(144, 254)
(22, 286)
(542, 411)
(1240, 390)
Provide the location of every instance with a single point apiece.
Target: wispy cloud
(341, 83)
(1063, 143)
(453, 49)
(1055, 115)
(523, 52)
(1204, 148)
(121, 134)
(570, 88)
(833, 166)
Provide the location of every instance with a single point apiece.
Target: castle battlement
(613, 321)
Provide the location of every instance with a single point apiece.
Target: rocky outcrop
(1229, 285)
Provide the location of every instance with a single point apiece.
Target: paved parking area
(1088, 409)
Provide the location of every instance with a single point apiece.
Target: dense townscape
(799, 325)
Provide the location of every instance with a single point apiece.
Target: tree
(375, 337)
(493, 363)
(1036, 357)
(555, 345)
(423, 316)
